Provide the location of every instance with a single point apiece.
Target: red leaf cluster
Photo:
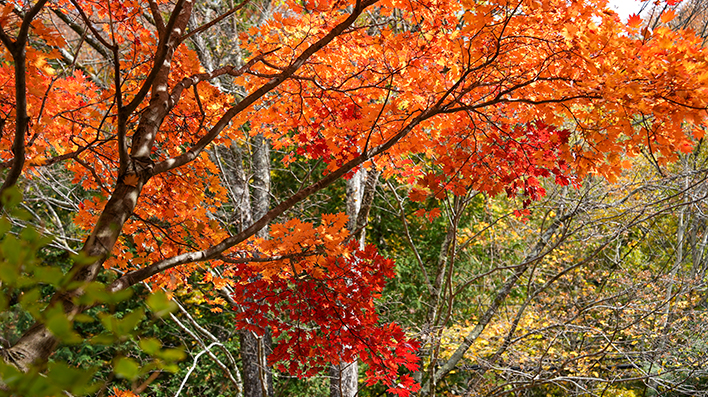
(508, 159)
(327, 315)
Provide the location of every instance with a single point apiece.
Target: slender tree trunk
(504, 290)
(344, 378)
(261, 180)
(258, 377)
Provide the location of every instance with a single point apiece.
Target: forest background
(282, 198)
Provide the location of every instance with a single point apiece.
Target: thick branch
(168, 43)
(159, 22)
(214, 251)
(17, 49)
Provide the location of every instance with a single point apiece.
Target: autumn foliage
(326, 311)
(448, 96)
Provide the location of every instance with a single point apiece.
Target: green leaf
(9, 272)
(9, 374)
(120, 296)
(12, 250)
(173, 368)
(34, 237)
(150, 345)
(171, 355)
(48, 275)
(5, 226)
(37, 386)
(82, 258)
(104, 339)
(124, 326)
(21, 214)
(160, 304)
(11, 197)
(58, 323)
(94, 292)
(75, 380)
(108, 321)
(31, 301)
(83, 318)
(126, 368)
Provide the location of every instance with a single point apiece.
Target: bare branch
(214, 21)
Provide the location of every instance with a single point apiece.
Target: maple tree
(497, 95)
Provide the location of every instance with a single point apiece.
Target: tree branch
(215, 251)
(168, 43)
(214, 21)
(17, 50)
(224, 121)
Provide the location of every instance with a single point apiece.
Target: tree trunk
(360, 192)
(37, 343)
(344, 379)
(257, 376)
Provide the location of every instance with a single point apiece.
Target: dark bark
(17, 49)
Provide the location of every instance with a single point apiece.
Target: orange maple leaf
(131, 180)
(668, 16)
(123, 393)
(634, 21)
